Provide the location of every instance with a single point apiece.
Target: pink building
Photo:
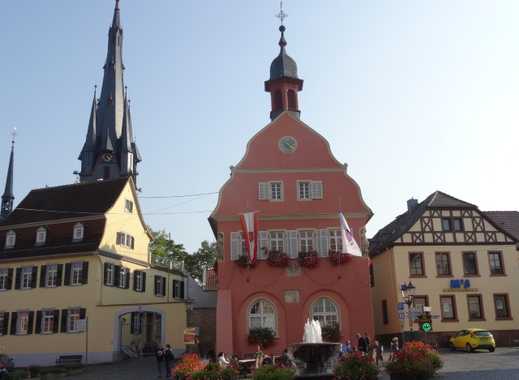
(290, 177)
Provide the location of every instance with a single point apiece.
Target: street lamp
(408, 292)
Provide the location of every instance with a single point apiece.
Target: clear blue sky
(415, 96)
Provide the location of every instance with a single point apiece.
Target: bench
(69, 360)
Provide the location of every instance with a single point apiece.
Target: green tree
(162, 245)
(205, 257)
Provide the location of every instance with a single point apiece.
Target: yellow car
(472, 339)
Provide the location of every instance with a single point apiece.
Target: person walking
(360, 343)
(159, 355)
(394, 347)
(367, 344)
(379, 351)
(169, 359)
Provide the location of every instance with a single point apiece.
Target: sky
(416, 96)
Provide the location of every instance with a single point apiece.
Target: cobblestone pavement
(503, 364)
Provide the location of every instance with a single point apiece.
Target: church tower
(8, 195)
(109, 151)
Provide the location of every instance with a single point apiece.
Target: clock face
(287, 144)
(107, 157)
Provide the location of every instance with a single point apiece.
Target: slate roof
(507, 220)
(69, 201)
(402, 223)
(283, 66)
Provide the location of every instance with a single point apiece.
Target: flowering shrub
(356, 366)
(308, 259)
(269, 372)
(188, 364)
(416, 361)
(338, 258)
(331, 333)
(215, 373)
(277, 259)
(263, 336)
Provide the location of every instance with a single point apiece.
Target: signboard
(402, 315)
(426, 326)
(460, 285)
(191, 335)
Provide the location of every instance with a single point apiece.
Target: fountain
(313, 358)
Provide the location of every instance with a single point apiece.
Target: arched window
(278, 101)
(10, 239)
(325, 311)
(78, 232)
(292, 100)
(262, 314)
(41, 235)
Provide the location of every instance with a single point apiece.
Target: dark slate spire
(126, 142)
(89, 147)
(8, 196)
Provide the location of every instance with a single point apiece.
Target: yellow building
(77, 278)
(463, 262)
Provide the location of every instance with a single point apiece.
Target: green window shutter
(34, 277)
(43, 275)
(9, 279)
(18, 279)
(5, 329)
(84, 273)
(14, 320)
(31, 323)
(68, 270)
(55, 326)
(59, 275)
(39, 315)
(64, 317)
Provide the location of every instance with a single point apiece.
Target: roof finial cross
(13, 135)
(281, 15)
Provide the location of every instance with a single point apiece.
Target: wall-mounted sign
(191, 335)
(460, 285)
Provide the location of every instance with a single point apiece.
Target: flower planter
(338, 258)
(277, 259)
(308, 259)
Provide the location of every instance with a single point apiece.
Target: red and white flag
(249, 226)
(349, 245)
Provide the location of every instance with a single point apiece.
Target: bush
(269, 372)
(356, 366)
(331, 333)
(17, 374)
(228, 374)
(416, 361)
(262, 336)
(188, 364)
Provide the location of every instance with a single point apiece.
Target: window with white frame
(4, 275)
(10, 239)
(128, 206)
(306, 241)
(3, 323)
(308, 190)
(22, 323)
(26, 282)
(277, 241)
(276, 191)
(123, 277)
(76, 273)
(41, 235)
(110, 269)
(335, 240)
(51, 276)
(78, 232)
(125, 240)
(47, 322)
(304, 190)
(139, 281)
(73, 318)
(262, 315)
(325, 311)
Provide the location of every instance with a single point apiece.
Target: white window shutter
(316, 190)
(235, 245)
(324, 240)
(315, 236)
(263, 245)
(293, 248)
(263, 191)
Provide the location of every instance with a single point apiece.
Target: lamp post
(408, 292)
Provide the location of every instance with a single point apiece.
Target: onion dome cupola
(284, 84)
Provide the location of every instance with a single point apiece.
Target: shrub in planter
(229, 374)
(269, 372)
(308, 259)
(277, 258)
(263, 336)
(244, 261)
(356, 366)
(416, 361)
(331, 333)
(188, 364)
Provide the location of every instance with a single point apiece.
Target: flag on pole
(249, 226)
(349, 245)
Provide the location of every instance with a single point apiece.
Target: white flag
(349, 245)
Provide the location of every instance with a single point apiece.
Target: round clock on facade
(287, 144)
(107, 157)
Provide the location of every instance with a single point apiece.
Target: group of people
(375, 349)
(165, 360)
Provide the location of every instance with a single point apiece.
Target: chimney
(411, 204)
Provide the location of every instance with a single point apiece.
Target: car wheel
(491, 349)
(468, 348)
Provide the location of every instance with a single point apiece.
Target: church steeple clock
(284, 83)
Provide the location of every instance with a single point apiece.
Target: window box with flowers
(277, 258)
(308, 259)
(244, 262)
(338, 258)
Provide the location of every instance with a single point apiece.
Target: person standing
(367, 343)
(169, 358)
(393, 348)
(379, 350)
(360, 343)
(159, 355)
(222, 361)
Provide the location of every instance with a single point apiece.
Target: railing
(167, 262)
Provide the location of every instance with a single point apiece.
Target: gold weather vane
(281, 15)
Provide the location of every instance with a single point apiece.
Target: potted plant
(277, 258)
(331, 333)
(416, 361)
(308, 259)
(262, 336)
(188, 364)
(356, 366)
(338, 258)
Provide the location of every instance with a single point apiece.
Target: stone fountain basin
(314, 360)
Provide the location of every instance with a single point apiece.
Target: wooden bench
(69, 360)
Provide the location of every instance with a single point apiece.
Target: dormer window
(10, 239)
(78, 232)
(128, 206)
(41, 236)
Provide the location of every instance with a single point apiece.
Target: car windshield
(482, 333)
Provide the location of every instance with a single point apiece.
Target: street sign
(426, 327)
(400, 306)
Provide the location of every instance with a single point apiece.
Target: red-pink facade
(292, 290)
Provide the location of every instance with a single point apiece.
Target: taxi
(472, 339)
